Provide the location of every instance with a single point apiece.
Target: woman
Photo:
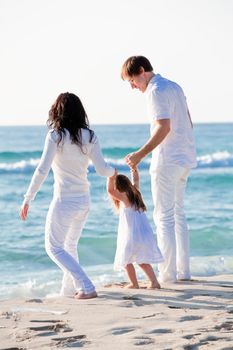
(69, 146)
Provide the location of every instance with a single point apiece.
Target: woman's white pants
(65, 220)
(168, 185)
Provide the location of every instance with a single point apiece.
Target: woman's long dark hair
(67, 112)
(123, 184)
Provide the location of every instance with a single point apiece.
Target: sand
(184, 315)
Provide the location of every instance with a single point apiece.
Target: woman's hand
(24, 211)
(114, 175)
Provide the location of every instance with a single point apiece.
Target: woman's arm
(98, 161)
(111, 183)
(40, 174)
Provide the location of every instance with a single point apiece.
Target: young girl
(135, 242)
(69, 146)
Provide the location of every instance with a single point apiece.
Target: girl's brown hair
(123, 184)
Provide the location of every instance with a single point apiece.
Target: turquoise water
(26, 270)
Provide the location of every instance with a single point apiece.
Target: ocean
(27, 271)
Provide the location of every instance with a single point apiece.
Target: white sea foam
(221, 159)
(103, 274)
(217, 159)
(21, 166)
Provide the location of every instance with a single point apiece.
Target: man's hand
(133, 159)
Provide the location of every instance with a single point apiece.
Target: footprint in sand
(123, 330)
(135, 300)
(14, 348)
(50, 329)
(226, 326)
(143, 341)
(72, 341)
(131, 297)
(190, 318)
(195, 346)
(159, 331)
(191, 336)
(47, 321)
(147, 316)
(205, 341)
(57, 327)
(213, 338)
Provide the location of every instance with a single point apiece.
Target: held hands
(133, 159)
(24, 211)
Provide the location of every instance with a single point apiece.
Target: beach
(188, 315)
(185, 315)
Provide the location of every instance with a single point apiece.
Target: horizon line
(114, 124)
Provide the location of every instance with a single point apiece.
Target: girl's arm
(40, 173)
(112, 190)
(135, 177)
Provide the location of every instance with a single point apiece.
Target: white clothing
(166, 100)
(170, 164)
(69, 163)
(64, 224)
(135, 241)
(70, 205)
(168, 185)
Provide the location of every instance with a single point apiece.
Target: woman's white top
(69, 163)
(136, 242)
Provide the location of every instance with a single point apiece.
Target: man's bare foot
(154, 285)
(82, 295)
(131, 286)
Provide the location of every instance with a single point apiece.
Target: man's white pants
(65, 220)
(168, 185)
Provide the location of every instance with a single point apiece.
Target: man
(173, 155)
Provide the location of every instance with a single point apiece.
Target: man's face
(138, 81)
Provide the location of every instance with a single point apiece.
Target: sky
(79, 46)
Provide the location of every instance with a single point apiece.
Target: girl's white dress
(136, 241)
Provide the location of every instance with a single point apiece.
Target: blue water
(26, 270)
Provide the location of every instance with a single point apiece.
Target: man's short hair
(133, 64)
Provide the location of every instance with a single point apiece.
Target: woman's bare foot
(82, 295)
(131, 286)
(154, 285)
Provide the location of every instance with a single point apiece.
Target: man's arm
(161, 130)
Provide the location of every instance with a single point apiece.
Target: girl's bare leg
(147, 268)
(132, 276)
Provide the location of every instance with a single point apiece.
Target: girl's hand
(133, 159)
(24, 211)
(114, 175)
(133, 168)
